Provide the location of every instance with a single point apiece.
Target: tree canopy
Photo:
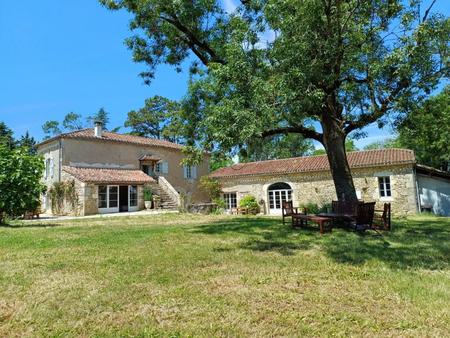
(157, 119)
(426, 130)
(73, 121)
(319, 68)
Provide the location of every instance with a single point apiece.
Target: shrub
(148, 194)
(314, 208)
(250, 203)
(64, 198)
(20, 186)
(211, 186)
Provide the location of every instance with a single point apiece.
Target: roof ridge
(316, 156)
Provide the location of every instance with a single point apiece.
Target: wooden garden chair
(364, 217)
(288, 210)
(382, 218)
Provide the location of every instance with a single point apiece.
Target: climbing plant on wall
(64, 198)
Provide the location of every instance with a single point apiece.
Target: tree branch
(306, 132)
(193, 42)
(428, 11)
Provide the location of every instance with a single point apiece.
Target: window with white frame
(384, 185)
(113, 199)
(230, 200)
(133, 196)
(102, 196)
(190, 172)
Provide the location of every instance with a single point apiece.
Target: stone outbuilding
(386, 175)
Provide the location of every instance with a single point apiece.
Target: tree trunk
(334, 143)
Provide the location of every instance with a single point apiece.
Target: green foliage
(6, 136)
(101, 116)
(426, 130)
(156, 119)
(349, 146)
(211, 186)
(322, 69)
(314, 208)
(20, 186)
(72, 121)
(387, 143)
(275, 147)
(148, 194)
(64, 198)
(250, 203)
(219, 160)
(28, 142)
(51, 129)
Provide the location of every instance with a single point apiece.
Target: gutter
(416, 183)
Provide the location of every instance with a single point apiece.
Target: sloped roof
(115, 137)
(108, 176)
(356, 159)
(149, 157)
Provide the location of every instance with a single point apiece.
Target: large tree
(319, 68)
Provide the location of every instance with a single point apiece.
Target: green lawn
(211, 276)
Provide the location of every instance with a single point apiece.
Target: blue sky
(59, 56)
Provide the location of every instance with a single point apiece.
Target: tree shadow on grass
(412, 244)
(29, 225)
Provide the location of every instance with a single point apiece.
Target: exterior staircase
(167, 201)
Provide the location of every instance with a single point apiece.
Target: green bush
(211, 186)
(20, 181)
(250, 203)
(314, 208)
(148, 194)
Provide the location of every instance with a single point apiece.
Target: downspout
(60, 160)
(418, 203)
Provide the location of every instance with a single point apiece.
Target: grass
(221, 276)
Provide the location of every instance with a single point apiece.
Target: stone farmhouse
(111, 169)
(387, 175)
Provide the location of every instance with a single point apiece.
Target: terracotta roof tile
(107, 136)
(357, 159)
(149, 158)
(106, 176)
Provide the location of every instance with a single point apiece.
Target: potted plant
(148, 197)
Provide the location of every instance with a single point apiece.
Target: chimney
(98, 128)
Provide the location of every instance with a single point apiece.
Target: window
(188, 171)
(113, 197)
(47, 167)
(384, 184)
(102, 196)
(278, 193)
(133, 196)
(158, 167)
(230, 201)
(146, 169)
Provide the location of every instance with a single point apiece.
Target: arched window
(278, 193)
(280, 186)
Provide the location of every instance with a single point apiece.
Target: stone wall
(318, 187)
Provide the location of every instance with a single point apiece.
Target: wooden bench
(324, 223)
